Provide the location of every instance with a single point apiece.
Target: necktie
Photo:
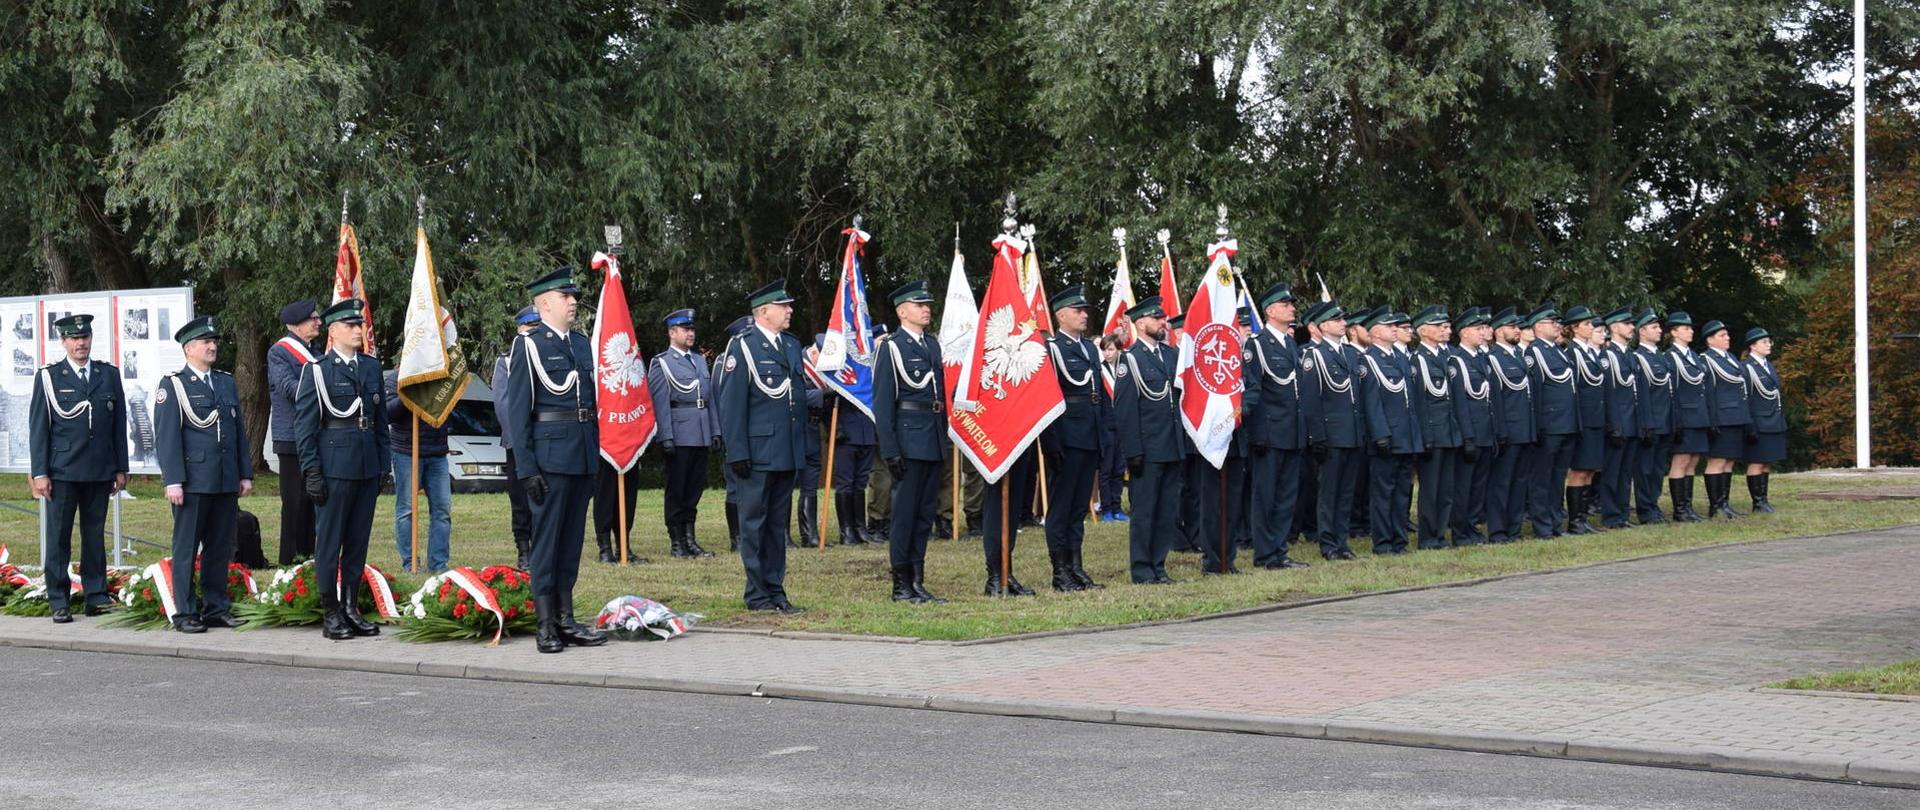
(83, 375)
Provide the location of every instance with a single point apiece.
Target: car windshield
(473, 418)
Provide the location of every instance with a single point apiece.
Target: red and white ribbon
(465, 578)
(383, 602)
(4, 554)
(161, 574)
(14, 576)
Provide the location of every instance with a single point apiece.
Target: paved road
(198, 733)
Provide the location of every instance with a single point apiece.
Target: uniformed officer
(522, 515)
(1393, 431)
(1514, 421)
(806, 482)
(1272, 406)
(1146, 407)
(77, 438)
(1623, 422)
(1656, 418)
(1360, 337)
(1444, 434)
(1336, 426)
(738, 327)
(1556, 414)
(1767, 443)
(1591, 367)
(909, 414)
(340, 429)
(1474, 394)
(556, 438)
(1072, 442)
(682, 391)
(1690, 417)
(1727, 395)
(286, 359)
(201, 442)
(763, 421)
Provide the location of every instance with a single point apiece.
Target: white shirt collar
(80, 367)
(911, 332)
(1649, 346)
(772, 337)
(344, 357)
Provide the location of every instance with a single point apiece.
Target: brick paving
(1654, 655)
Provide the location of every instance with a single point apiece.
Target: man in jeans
(434, 480)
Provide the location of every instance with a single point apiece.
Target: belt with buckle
(347, 422)
(919, 405)
(698, 403)
(1090, 399)
(577, 415)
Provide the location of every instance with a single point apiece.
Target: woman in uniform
(1767, 444)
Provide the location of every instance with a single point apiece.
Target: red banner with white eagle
(619, 374)
(1210, 358)
(1008, 392)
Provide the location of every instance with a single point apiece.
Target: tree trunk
(59, 270)
(249, 347)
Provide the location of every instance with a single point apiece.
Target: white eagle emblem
(620, 367)
(1010, 357)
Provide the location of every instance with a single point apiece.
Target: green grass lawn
(846, 589)
(1902, 678)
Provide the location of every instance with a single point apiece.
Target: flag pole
(958, 505)
(1006, 550)
(826, 476)
(1043, 484)
(1223, 518)
(413, 494)
(620, 500)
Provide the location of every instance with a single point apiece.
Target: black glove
(897, 467)
(1499, 446)
(1382, 447)
(1614, 439)
(718, 447)
(667, 448)
(742, 469)
(536, 486)
(316, 485)
(1136, 466)
(1317, 449)
(1470, 452)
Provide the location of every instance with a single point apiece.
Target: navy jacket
(1689, 389)
(203, 446)
(1441, 417)
(1332, 394)
(763, 402)
(1590, 368)
(433, 440)
(1272, 403)
(1515, 414)
(1726, 390)
(1556, 397)
(1147, 404)
(1076, 363)
(551, 373)
(1656, 389)
(346, 452)
(1473, 394)
(82, 435)
(1764, 397)
(909, 397)
(1623, 392)
(284, 365)
(1387, 397)
(683, 398)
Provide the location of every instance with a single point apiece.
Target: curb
(1829, 693)
(1866, 771)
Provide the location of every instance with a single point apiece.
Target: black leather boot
(733, 526)
(1757, 490)
(848, 510)
(522, 546)
(903, 585)
(350, 611)
(808, 516)
(333, 624)
(692, 543)
(995, 587)
(1080, 573)
(920, 584)
(1683, 510)
(572, 633)
(1726, 496)
(1577, 522)
(606, 547)
(875, 532)
(546, 636)
(1014, 587)
(1063, 578)
(676, 544)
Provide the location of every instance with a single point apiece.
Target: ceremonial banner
(1169, 289)
(846, 353)
(1210, 359)
(1032, 286)
(433, 370)
(1010, 393)
(347, 282)
(1121, 299)
(957, 319)
(620, 377)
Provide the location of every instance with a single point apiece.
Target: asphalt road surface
(101, 730)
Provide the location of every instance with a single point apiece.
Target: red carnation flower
(290, 597)
(511, 613)
(459, 611)
(146, 593)
(526, 606)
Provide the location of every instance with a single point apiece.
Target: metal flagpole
(119, 542)
(1862, 423)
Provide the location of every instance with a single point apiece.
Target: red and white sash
(295, 347)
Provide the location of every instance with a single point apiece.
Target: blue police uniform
(1656, 422)
(1519, 435)
(1728, 403)
(1443, 432)
(1690, 416)
(1072, 445)
(1623, 436)
(286, 359)
(1767, 444)
(1395, 444)
(1336, 433)
(77, 439)
(201, 443)
(1146, 407)
(1473, 394)
(683, 399)
(763, 424)
(1273, 411)
(340, 427)
(1556, 414)
(909, 409)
